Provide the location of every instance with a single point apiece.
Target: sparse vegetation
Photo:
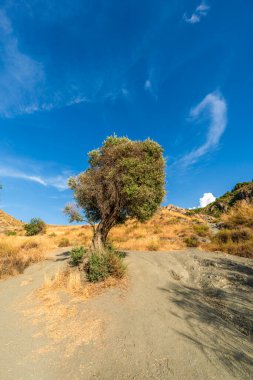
(236, 237)
(10, 233)
(64, 242)
(201, 230)
(35, 227)
(15, 256)
(241, 192)
(77, 255)
(192, 241)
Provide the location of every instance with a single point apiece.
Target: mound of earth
(8, 223)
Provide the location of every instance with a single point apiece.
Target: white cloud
(12, 173)
(214, 107)
(201, 11)
(206, 199)
(58, 181)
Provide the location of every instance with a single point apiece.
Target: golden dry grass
(237, 236)
(64, 323)
(166, 231)
(18, 252)
(72, 282)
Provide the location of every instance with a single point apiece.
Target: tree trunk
(100, 235)
(98, 241)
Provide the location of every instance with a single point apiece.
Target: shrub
(116, 267)
(64, 242)
(10, 233)
(192, 241)
(52, 234)
(96, 268)
(76, 255)
(153, 246)
(201, 230)
(240, 235)
(222, 237)
(30, 244)
(35, 227)
(235, 236)
(100, 266)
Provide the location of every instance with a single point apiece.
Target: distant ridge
(8, 223)
(242, 191)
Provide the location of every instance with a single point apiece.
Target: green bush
(201, 230)
(192, 241)
(102, 265)
(76, 255)
(35, 227)
(10, 233)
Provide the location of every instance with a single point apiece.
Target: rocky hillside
(8, 223)
(241, 192)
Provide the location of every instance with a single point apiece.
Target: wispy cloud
(214, 108)
(58, 181)
(150, 84)
(201, 11)
(33, 172)
(206, 199)
(20, 75)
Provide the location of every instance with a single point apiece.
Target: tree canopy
(124, 179)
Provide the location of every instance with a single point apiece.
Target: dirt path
(185, 315)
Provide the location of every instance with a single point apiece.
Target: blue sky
(74, 72)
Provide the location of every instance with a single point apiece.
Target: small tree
(125, 179)
(35, 227)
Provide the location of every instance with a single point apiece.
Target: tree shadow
(220, 321)
(63, 256)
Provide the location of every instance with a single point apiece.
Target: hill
(242, 191)
(8, 223)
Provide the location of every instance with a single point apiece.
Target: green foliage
(77, 255)
(201, 229)
(101, 266)
(192, 241)
(10, 233)
(35, 227)
(125, 179)
(64, 242)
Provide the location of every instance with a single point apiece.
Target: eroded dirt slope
(185, 315)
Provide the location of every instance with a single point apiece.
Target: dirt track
(185, 315)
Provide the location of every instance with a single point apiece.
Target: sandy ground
(184, 315)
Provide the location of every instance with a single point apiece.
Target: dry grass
(166, 231)
(17, 253)
(237, 236)
(64, 323)
(72, 282)
(240, 215)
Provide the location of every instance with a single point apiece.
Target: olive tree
(125, 179)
